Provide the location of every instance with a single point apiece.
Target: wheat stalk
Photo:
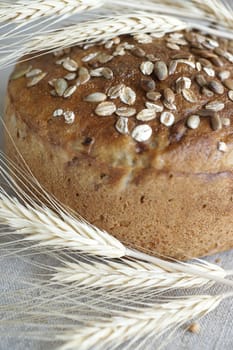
(130, 274)
(145, 321)
(27, 10)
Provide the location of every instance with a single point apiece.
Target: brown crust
(171, 194)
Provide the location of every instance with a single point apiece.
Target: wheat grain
(26, 10)
(130, 274)
(157, 319)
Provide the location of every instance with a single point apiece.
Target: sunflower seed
(167, 118)
(207, 92)
(209, 71)
(59, 62)
(219, 51)
(198, 66)
(69, 117)
(229, 57)
(117, 40)
(95, 97)
(104, 58)
(155, 107)
(143, 38)
(97, 72)
(33, 73)
(187, 62)
(176, 36)
(35, 80)
(20, 72)
(193, 121)
(172, 67)
(138, 52)
(87, 46)
(217, 61)
(173, 46)
(141, 133)
(58, 112)
(182, 55)
(189, 95)
(70, 91)
(109, 44)
(105, 109)
(228, 83)
(83, 76)
(126, 112)
(127, 95)
(153, 96)
(152, 57)
(148, 84)
(90, 57)
(70, 65)
(183, 83)
(122, 125)
(70, 76)
(161, 70)
(222, 146)
(60, 86)
(128, 46)
(210, 43)
(215, 122)
(107, 73)
(169, 95)
(206, 113)
(215, 106)
(170, 106)
(120, 51)
(201, 80)
(147, 67)
(205, 63)
(230, 95)
(51, 82)
(146, 115)
(226, 121)
(216, 87)
(53, 93)
(115, 91)
(223, 75)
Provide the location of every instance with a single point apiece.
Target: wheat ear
(93, 31)
(47, 227)
(130, 274)
(209, 10)
(146, 321)
(23, 11)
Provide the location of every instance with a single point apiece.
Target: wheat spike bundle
(23, 11)
(129, 274)
(153, 321)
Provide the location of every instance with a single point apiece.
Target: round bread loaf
(134, 134)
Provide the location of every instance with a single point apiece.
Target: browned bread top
(137, 102)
